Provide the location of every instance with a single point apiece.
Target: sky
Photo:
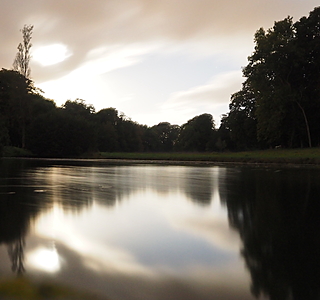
(153, 60)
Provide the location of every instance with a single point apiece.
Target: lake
(152, 231)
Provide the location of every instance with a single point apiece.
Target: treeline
(30, 121)
(278, 105)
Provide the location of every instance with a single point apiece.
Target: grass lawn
(296, 156)
(280, 156)
(9, 151)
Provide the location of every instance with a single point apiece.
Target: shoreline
(272, 157)
(125, 161)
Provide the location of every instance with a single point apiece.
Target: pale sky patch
(213, 96)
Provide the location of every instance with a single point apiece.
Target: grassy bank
(9, 151)
(286, 156)
(280, 156)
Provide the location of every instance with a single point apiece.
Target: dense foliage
(28, 120)
(278, 105)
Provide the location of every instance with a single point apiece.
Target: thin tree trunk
(306, 122)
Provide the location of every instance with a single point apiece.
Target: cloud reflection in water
(155, 230)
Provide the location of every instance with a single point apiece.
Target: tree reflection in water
(199, 185)
(16, 254)
(275, 212)
(21, 202)
(14, 224)
(277, 215)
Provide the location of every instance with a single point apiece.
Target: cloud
(211, 93)
(106, 59)
(208, 98)
(84, 82)
(91, 25)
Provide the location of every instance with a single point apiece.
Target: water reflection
(200, 183)
(15, 216)
(277, 215)
(75, 187)
(161, 231)
(46, 259)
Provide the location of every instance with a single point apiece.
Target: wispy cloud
(91, 25)
(212, 97)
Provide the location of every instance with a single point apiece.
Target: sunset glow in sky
(154, 60)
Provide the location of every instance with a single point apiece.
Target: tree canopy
(281, 92)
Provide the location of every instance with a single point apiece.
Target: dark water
(128, 231)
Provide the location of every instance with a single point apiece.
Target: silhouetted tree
(79, 108)
(279, 101)
(16, 92)
(161, 137)
(22, 59)
(130, 135)
(269, 78)
(60, 134)
(196, 134)
(107, 136)
(240, 124)
(306, 76)
(283, 82)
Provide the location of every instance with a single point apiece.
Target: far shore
(301, 156)
(310, 156)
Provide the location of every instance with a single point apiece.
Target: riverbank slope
(280, 156)
(308, 156)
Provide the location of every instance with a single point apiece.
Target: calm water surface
(133, 231)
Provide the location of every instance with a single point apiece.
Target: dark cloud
(85, 25)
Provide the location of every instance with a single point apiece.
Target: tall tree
(268, 75)
(240, 123)
(161, 137)
(15, 93)
(22, 59)
(307, 77)
(282, 75)
(196, 134)
(106, 125)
